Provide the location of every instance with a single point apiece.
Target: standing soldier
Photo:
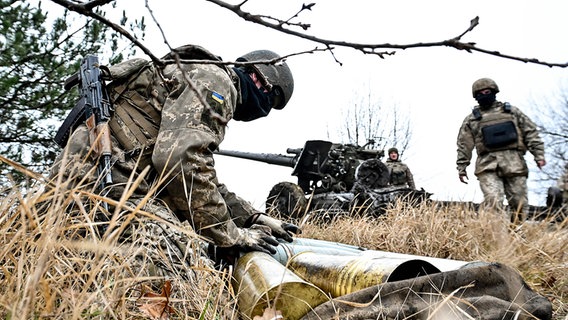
(501, 134)
(400, 174)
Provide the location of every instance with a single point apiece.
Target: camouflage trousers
(496, 188)
(161, 244)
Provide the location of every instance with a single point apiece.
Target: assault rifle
(95, 109)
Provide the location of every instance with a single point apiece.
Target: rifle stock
(99, 137)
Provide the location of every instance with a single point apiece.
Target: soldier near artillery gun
(325, 172)
(501, 135)
(400, 174)
(330, 178)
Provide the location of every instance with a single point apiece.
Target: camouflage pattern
(484, 83)
(495, 189)
(182, 155)
(400, 174)
(507, 166)
(162, 245)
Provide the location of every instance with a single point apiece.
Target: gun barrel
(372, 153)
(277, 159)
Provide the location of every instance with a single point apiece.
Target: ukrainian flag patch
(217, 97)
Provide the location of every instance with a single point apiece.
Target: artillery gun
(326, 174)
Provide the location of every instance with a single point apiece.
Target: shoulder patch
(217, 97)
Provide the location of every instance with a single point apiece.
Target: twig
(86, 10)
(371, 48)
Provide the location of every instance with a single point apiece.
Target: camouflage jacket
(400, 174)
(505, 160)
(161, 126)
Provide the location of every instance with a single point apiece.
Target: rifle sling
(73, 119)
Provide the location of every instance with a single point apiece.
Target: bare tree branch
(95, 3)
(159, 26)
(370, 48)
(285, 25)
(245, 63)
(472, 24)
(86, 10)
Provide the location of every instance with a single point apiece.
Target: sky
(431, 85)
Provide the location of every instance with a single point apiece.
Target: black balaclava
(255, 103)
(485, 100)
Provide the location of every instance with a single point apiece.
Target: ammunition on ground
(307, 272)
(341, 275)
(339, 268)
(262, 282)
(287, 250)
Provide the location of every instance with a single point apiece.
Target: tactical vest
(136, 120)
(398, 177)
(497, 131)
(397, 173)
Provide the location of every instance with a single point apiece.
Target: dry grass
(538, 250)
(53, 266)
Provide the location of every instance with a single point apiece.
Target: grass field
(55, 267)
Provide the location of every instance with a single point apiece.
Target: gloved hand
(256, 238)
(463, 177)
(279, 229)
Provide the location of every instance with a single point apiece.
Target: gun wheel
(287, 200)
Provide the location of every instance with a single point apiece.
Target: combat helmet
(277, 78)
(484, 83)
(393, 149)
